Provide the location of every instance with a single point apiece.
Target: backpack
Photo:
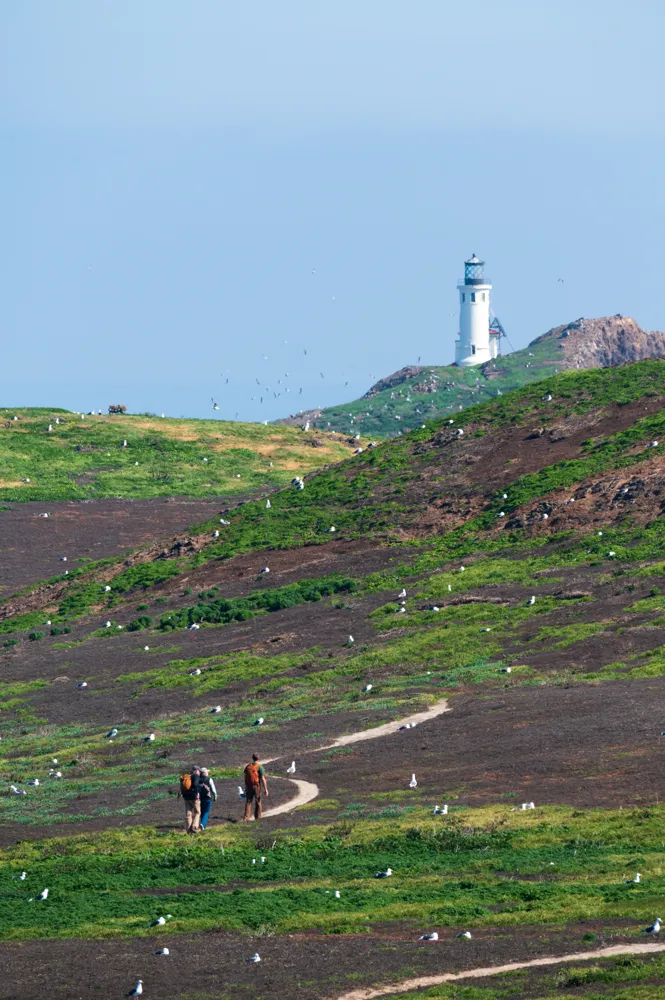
(252, 776)
(185, 784)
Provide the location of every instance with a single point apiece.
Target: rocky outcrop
(604, 343)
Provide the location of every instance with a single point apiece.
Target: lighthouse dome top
(474, 271)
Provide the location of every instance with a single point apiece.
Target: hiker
(208, 796)
(191, 793)
(255, 784)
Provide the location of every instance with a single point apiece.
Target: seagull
(137, 991)
(350, 641)
(402, 593)
(216, 710)
(162, 951)
(82, 684)
(22, 877)
(43, 894)
(112, 733)
(254, 958)
(386, 874)
(259, 721)
(193, 628)
(292, 769)
(195, 673)
(149, 738)
(429, 937)
(55, 774)
(159, 922)
(464, 934)
(532, 600)
(34, 782)
(241, 792)
(654, 928)
(635, 880)
(443, 811)
(332, 528)
(266, 569)
(368, 688)
(215, 533)
(146, 648)
(413, 783)
(214, 404)
(610, 554)
(654, 444)
(18, 791)
(506, 670)
(107, 589)
(107, 625)
(548, 398)
(338, 894)
(222, 521)
(268, 505)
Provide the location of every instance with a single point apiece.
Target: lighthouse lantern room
(476, 343)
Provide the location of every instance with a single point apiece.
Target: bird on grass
(259, 721)
(159, 922)
(402, 593)
(413, 783)
(193, 628)
(350, 641)
(464, 934)
(112, 733)
(82, 684)
(386, 874)
(22, 877)
(429, 937)
(368, 688)
(635, 881)
(268, 505)
(216, 710)
(292, 769)
(34, 782)
(654, 928)
(137, 991)
(146, 648)
(17, 791)
(55, 774)
(266, 569)
(162, 951)
(254, 958)
(195, 673)
(532, 600)
(149, 738)
(338, 894)
(43, 894)
(527, 805)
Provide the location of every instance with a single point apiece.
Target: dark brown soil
(310, 967)
(31, 546)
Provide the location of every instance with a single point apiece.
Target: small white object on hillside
(241, 792)
(611, 554)
(292, 769)
(402, 592)
(386, 874)
(149, 738)
(107, 625)
(17, 791)
(192, 628)
(413, 783)
(635, 881)
(162, 951)
(82, 684)
(34, 782)
(215, 533)
(259, 721)
(368, 688)
(137, 991)
(107, 589)
(332, 528)
(266, 569)
(146, 648)
(654, 928)
(254, 958)
(112, 733)
(43, 894)
(216, 710)
(159, 922)
(506, 670)
(429, 937)
(532, 599)
(195, 673)
(268, 505)
(350, 641)
(464, 934)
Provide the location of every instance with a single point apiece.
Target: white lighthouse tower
(477, 343)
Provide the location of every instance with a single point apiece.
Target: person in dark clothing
(192, 797)
(208, 796)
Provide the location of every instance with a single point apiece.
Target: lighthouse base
(465, 357)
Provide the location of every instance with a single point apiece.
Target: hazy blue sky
(174, 172)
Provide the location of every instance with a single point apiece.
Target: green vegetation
(81, 458)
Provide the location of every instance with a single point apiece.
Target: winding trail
(308, 791)
(495, 970)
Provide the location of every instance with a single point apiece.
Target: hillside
(403, 400)
(86, 457)
(478, 603)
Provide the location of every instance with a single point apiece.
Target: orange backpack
(185, 784)
(252, 777)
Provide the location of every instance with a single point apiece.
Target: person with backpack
(190, 789)
(255, 784)
(208, 796)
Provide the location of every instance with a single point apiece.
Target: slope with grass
(418, 393)
(81, 458)
(512, 573)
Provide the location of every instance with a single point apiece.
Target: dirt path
(307, 791)
(495, 970)
(388, 727)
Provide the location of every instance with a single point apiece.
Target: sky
(195, 192)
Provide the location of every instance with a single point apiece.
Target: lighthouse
(477, 342)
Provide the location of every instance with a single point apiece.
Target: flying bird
(214, 404)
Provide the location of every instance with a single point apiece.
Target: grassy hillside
(82, 458)
(502, 569)
(437, 391)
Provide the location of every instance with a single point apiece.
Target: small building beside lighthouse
(477, 343)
